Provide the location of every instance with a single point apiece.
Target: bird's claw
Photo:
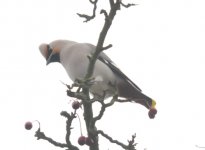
(84, 83)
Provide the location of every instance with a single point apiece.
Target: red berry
(75, 105)
(89, 141)
(28, 125)
(152, 113)
(81, 140)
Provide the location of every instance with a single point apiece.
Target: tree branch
(87, 17)
(88, 111)
(111, 3)
(131, 143)
(107, 47)
(69, 118)
(123, 100)
(101, 39)
(104, 12)
(41, 135)
(103, 108)
(127, 5)
(111, 139)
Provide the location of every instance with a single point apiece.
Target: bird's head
(51, 52)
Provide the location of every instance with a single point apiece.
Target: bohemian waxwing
(108, 78)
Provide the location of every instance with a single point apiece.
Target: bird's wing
(105, 59)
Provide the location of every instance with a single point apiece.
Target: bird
(108, 78)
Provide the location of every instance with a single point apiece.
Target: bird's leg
(84, 83)
(90, 81)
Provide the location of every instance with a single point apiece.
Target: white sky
(159, 44)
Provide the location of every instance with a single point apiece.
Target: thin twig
(90, 17)
(103, 108)
(111, 139)
(127, 5)
(131, 143)
(101, 39)
(41, 135)
(104, 12)
(123, 100)
(107, 47)
(69, 120)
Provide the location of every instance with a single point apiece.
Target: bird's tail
(129, 92)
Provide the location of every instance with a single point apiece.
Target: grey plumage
(108, 77)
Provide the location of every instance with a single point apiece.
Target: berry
(81, 140)
(152, 113)
(75, 105)
(89, 141)
(28, 125)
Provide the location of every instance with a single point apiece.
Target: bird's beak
(48, 61)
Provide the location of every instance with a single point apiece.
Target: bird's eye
(49, 50)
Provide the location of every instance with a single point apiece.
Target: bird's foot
(84, 83)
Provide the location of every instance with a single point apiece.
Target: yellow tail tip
(153, 104)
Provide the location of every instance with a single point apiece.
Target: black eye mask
(50, 50)
(52, 57)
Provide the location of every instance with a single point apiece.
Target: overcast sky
(159, 44)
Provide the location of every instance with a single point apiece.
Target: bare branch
(89, 17)
(103, 108)
(111, 3)
(104, 12)
(111, 139)
(117, 4)
(41, 135)
(127, 5)
(131, 143)
(107, 47)
(69, 118)
(123, 100)
(115, 97)
(101, 39)
(92, 2)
